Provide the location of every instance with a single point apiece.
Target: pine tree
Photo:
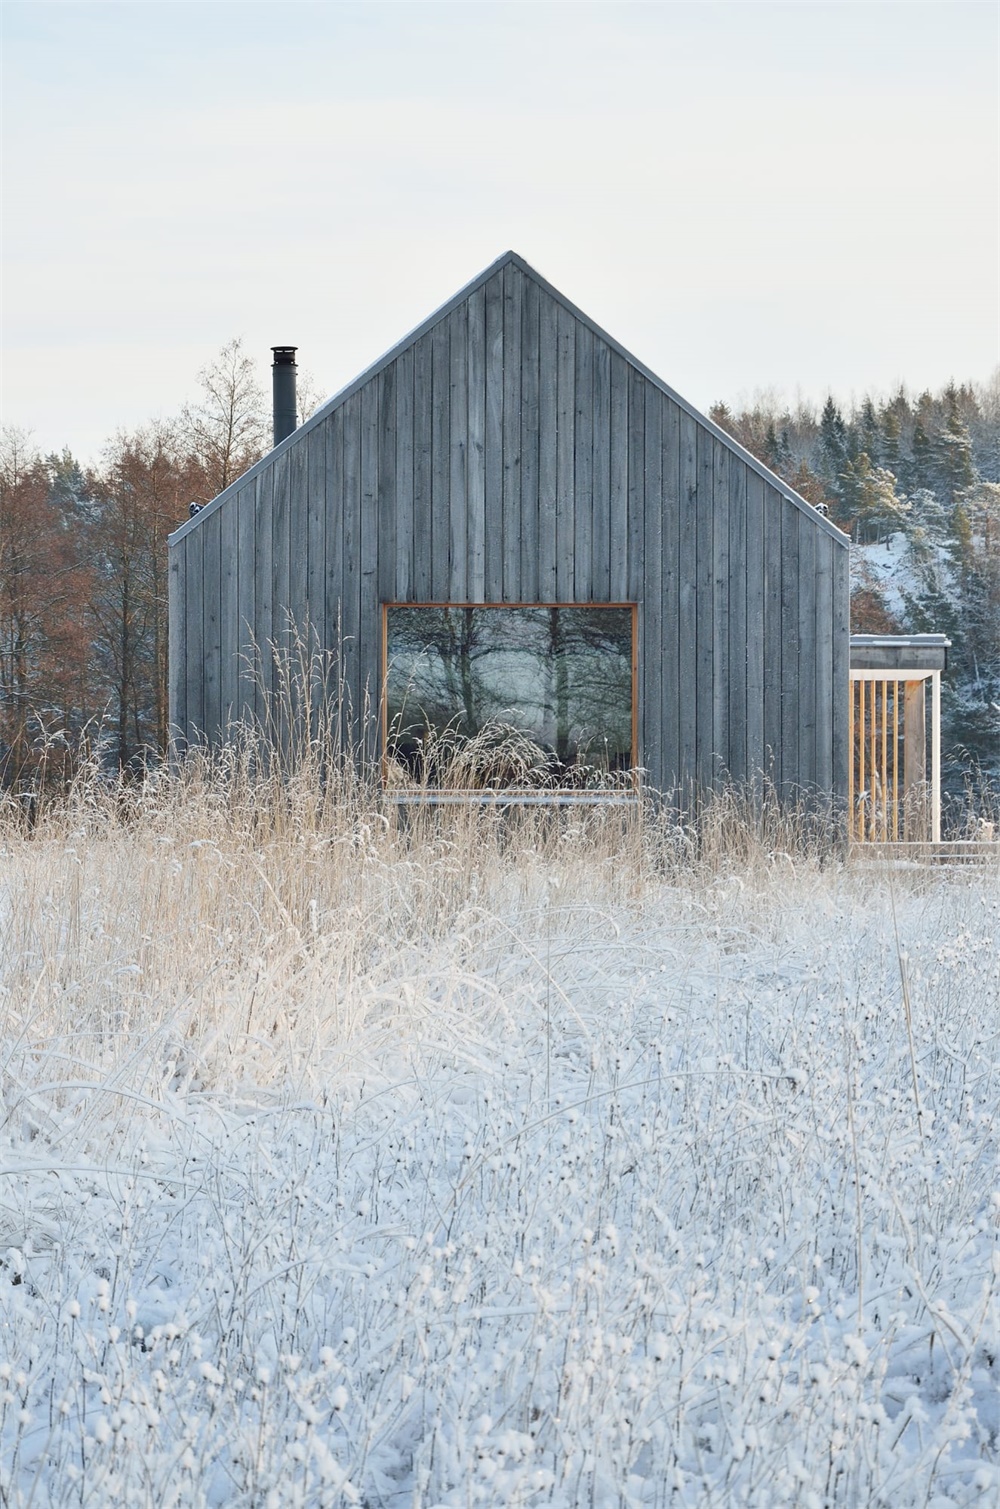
(921, 472)
(721, 414)
(984, 428)
(870, 499)
(69, 490)
(929, 519)
(778, 450)
(889, 446)
(833, 442)
(870, 432)
(952, 449)
(784, 452)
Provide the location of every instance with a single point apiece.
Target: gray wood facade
(511, 451)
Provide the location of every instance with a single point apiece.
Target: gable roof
(442, 313)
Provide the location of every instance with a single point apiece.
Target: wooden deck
(961, 851)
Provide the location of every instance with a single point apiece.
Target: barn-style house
(536, 566)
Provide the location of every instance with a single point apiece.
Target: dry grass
(435, 1148)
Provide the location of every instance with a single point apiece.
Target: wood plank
(441, 462)
(651, 666)
(493, 448)
(704, 664)
(263, 595)
(618, 503)
(401, 589)
(721, 592)
(583, 466)
(298, 544)
(808, 657)
(229, 622)
(369, 650)
(548, 445)
(281, 637)
(280, 554)
(316, 512)
(246, 613)
(756, 755)
(458, 584)
(915, 807)
(210, 529)
(194, 671)
(350, 605)
(771, 514)
(790, 710)
(635, 588)
(511, 532)
(687, 568)
(177, 648)
(635, 568)
(476, 457)
(739, 571)
(423, 428)
(333, 429)
(387, 510)
(565, 479)
(826, 712)
(600, 564)
(529, 417)
(670, 656)
(300, 629)
(841, 670)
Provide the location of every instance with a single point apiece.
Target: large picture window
(530, 696)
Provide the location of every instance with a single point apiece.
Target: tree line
(920, 475)
(83, 593)
(83, 576)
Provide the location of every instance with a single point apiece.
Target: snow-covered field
(492, 1166)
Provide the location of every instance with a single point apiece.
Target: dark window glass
(537, 696)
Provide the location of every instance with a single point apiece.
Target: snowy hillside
(900, 578)
(915, 481)
(914, 577)
(479, 1168)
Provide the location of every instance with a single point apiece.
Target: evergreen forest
(915, 482)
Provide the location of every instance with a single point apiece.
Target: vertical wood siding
(529, 442)
(510, 454)
(246, 602)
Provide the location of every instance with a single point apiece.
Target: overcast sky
(747, 195)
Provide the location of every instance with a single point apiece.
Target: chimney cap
(284, 356)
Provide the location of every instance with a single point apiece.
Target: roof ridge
(504, 259)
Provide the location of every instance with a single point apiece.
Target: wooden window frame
(556, 796)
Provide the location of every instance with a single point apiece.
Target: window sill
(431, 798)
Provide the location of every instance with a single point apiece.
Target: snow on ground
(520, 1183)
(900, 573)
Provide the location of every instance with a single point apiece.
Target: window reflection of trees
(541, 695)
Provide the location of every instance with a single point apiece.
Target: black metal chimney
(283, 370)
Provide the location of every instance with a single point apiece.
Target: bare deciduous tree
(229, 429)
(142, 496)
(43, 589)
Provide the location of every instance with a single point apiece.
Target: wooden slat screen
(876, 764)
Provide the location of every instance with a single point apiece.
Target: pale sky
(800, 197)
